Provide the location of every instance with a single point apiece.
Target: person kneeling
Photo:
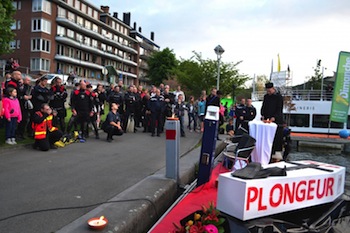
(112, 124)
(45, 134)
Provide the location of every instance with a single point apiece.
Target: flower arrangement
(207, 220)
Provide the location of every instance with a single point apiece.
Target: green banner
(341, 93)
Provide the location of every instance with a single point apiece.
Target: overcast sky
(252, 31)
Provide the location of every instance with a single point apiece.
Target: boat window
(321, 121)
(298, 120)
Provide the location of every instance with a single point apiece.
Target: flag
(278, 63)
(341, 92)
(288, 71)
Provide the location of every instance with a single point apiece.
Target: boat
(305, 111)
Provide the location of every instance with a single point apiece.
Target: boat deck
(320, 141)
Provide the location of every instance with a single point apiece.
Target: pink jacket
(11, 108)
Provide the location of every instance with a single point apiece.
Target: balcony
(77, 44)
(72, 24)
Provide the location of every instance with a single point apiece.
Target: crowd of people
(39, 111)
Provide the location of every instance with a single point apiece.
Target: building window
(70, 33)
(95, 14)
(17, 5)
(71, 16)
(77, 5)
(94, 27)
(70, 2)
(89, 11)
(41, 25)
(80, 21)
(60, 31)
(39, 44)
(94, 43)
(37, 64)
(61, 12)
(79, 37)
(60, 50)
(18, 44)
(88, 24)
(87, 41)
(83, 8)
(12, 44)
(41, 5)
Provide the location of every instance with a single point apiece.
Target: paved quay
(57, 191)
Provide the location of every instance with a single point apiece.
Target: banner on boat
(254, 198)
(341, 93)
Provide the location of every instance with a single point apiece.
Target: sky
(251, 31)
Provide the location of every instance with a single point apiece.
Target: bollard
(206, 158)
(172, 135)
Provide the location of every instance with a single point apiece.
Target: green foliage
(161, 65)
(197, 74)
(315, 81)
(6, 20)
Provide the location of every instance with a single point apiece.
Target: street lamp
(219, 51)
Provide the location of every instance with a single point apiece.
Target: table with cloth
(264, 133)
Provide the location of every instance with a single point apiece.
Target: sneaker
(9, 141)
(13, 141)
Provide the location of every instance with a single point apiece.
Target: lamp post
(219, 51)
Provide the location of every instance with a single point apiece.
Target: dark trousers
(156, 117)
(11, 127)
(51, 138)
(24, 124)
(112, 130)
(191, 118)
(93, 121)
(181, 119)
(278, 140)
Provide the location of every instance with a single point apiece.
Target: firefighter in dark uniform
(250, 114)
(156, 105)
(59, 94)
(82, 107)
(130, 106)
(272, 110)
(96, 111)
(240, 113)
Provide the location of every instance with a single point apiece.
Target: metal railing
(298, 95)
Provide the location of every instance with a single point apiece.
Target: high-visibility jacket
(40, 129)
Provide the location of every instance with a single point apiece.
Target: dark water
(335, 158)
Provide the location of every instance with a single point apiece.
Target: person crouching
(112, 124)
(45, 134)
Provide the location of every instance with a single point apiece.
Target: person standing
(240, 113)
(95, 111)
(179, 111)
(102, 97)
(130, 107)
(250, 114)
(41, 94)
(13, 81)
(272, 110)
(112, 124)
(179, 92)
(201, 111)
(12, 114)
(45, 133)
(59, 94)
(191, 114)
(156, 105)
(24, 97)
(82, 107)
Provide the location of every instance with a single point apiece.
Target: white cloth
(264, 133)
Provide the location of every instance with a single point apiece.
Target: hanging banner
(341, 93)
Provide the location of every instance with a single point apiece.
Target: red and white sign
(248, 199)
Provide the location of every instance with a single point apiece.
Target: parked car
(50, 77)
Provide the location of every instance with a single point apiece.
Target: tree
(197, 74)
(161, 66)
(6, 20)
(315, 81)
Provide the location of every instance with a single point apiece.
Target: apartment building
(74, 36)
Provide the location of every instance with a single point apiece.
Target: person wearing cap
(272, 111)
(41, 94)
